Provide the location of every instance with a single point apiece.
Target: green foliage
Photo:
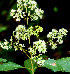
(8, 66)
(27, 64)
(55, 9)
(3, 28)
(2, 60)
(62, 64)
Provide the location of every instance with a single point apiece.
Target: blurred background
(56, 16)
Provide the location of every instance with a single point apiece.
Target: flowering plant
(33, 12)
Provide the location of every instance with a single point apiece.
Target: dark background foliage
(51, 20)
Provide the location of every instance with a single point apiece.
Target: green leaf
(62, 64)
(48, 64)
(27, 64)
(9, 66)
(3, 28)
(2, 60)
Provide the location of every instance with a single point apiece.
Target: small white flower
(18, 10)
(40, 61)
(25, 5)
(39, 12)
(63, 31)
(13, 10)
(9, 47)
(16, 48)
(54, 31)
(54, 46)
(19, 1)
(20, 28)
(24, 0)
(60, 41)
(31, 50)
(32, 5)
(49, 35)
(18, 19)
(5, 47)
(6, 42)
(12, 13)
(33, 17)
(21, 45)
(23, 14)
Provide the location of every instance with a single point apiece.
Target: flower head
(40, 46)
(31, 5)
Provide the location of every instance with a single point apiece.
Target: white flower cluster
(22, 33)
(55, 34)
(40, 61)
(32, 6)
(19, 10)
(18, 46)
(37, 13)
(5, 45)
(41, 47)
(38, 45)
(54, 45)
(39, 29)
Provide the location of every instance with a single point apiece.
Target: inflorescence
(34, 13)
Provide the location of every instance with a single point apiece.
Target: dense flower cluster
(38, 45)
(31, 6)
(41, 47)
(40, 61)
(22, 33)
(19, 10)
(55, 34)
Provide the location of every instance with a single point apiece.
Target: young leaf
(27, 64)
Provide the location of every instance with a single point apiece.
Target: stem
(30, 46)
(27, 20)
(26, 54)
(29, 40)
(27, 16)
(27, 68)
(32, 65)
